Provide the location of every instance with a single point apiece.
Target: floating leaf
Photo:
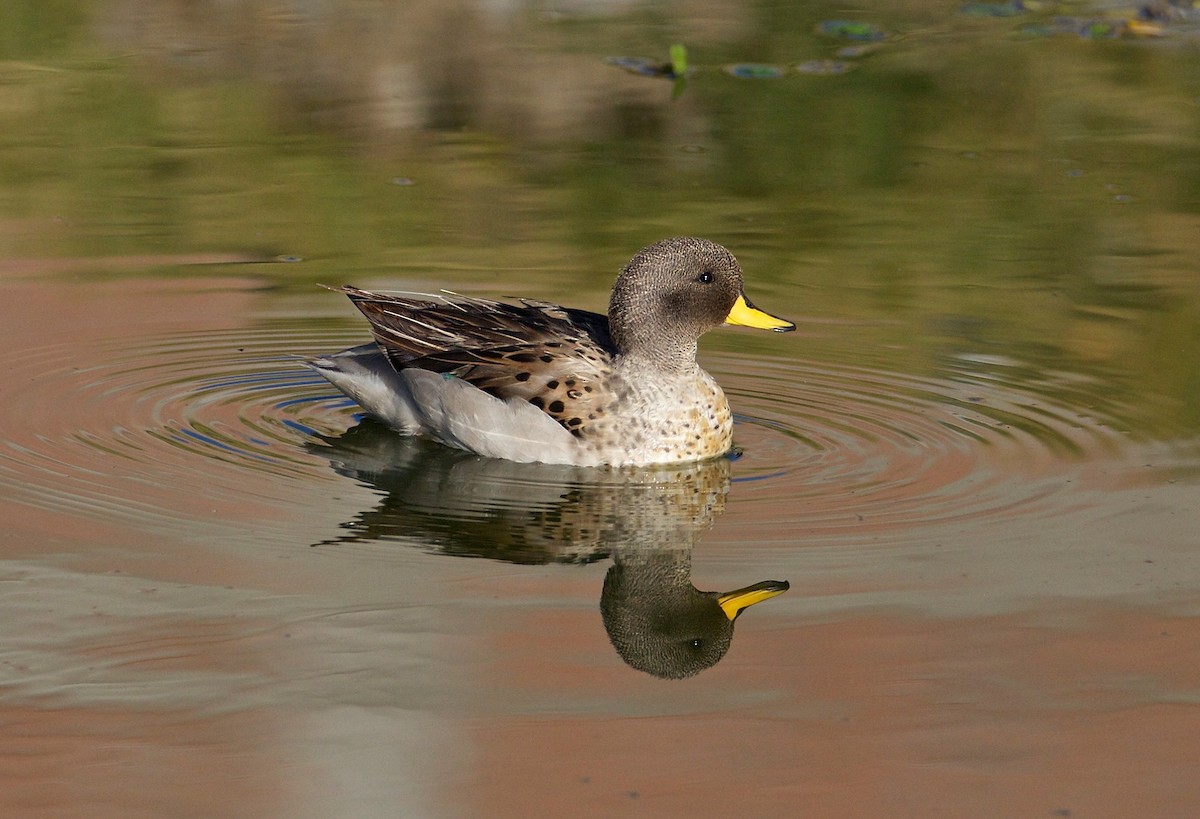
(642, 66)
(1100, 29)
(754, 71)
(1085, 27)
(853, 52)
(1142, 28)
(1167, 12)
(851, 30)
(825, 67)
(984, 9)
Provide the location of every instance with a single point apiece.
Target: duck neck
(662, 355)
(666, 344)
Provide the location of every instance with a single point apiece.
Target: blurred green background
(976, 198)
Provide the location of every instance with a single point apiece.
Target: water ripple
(166, 422)
(186, 421)
(854, 450)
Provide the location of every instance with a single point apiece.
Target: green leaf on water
(678, 59)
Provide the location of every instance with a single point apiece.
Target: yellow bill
(735, 602)
(746, 314)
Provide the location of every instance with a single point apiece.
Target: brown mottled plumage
(488, 376)
(550, 356)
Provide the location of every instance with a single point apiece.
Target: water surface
(976, 462)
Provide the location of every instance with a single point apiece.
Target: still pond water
(976, 462)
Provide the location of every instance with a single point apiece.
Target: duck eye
(706, 277)
(697, 642)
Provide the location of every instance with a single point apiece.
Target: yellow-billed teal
(538, 382)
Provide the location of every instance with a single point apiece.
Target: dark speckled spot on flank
(537, 402)
(546, 357)
(524, 358)
(556, 406)
(522, 376)
(552, 384)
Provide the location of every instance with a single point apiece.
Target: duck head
(673, 292)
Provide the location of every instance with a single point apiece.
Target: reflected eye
(706, 277)
(696, 643)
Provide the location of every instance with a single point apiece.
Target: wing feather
(553, 357)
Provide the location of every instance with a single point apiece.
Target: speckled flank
(571, 389)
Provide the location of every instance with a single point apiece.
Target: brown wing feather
(554, 357)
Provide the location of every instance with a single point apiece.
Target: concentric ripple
(182, 424)
(853, 451)
(160, 426)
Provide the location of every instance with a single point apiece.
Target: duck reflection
(646, 520)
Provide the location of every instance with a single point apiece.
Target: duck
(534, 381)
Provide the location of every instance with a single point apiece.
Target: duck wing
(556, 358)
